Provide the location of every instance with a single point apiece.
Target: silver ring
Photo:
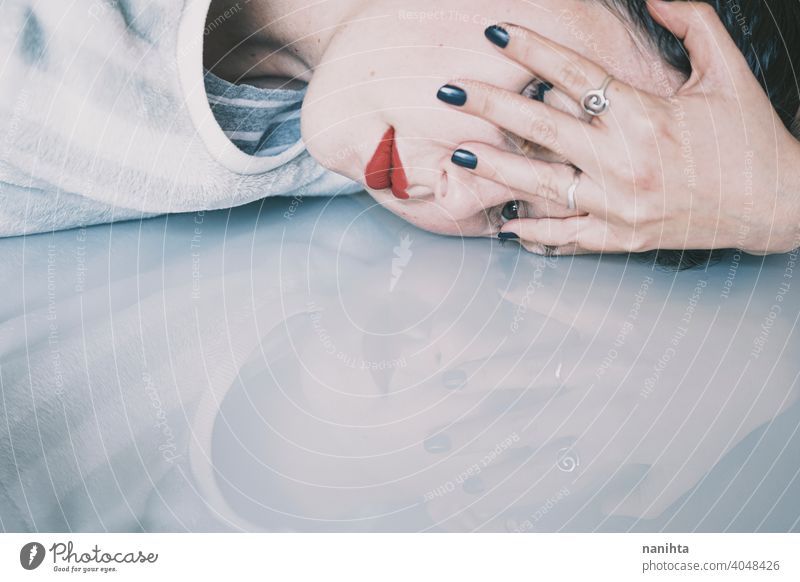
(568, 460)
(573, 187)
(595, 102)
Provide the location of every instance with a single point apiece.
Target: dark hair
(768, 34)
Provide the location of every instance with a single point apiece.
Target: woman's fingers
(711, 49)
(580, 233)
(486, 433)
(552, 181)
(571, 72)
(508, 489)
(564, 134)
(529, 418)
(556, 232)
(503, 382)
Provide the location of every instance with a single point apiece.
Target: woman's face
(343, 397)
(383, 68)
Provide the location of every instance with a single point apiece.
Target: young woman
(375, 68)
(129, 125)
(373, 83)
(107, 113)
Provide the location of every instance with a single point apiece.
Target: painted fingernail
(452, 95)
(507, 236)
(541, 90)
(497, 35)
(465, 159)
(473, 486)
(438, 443)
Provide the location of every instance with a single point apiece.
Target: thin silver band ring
(573, 187)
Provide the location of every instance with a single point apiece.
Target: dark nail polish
(507, 236)
(465, 159)
(473, 486)
(497, 35)
(541, 90)
(452, 95)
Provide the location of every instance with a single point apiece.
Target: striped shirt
(106, 113)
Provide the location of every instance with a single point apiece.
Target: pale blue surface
(469, 341)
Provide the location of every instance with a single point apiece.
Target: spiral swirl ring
(568, 460)
(595, 102)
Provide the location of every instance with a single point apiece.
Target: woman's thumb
(712, 51)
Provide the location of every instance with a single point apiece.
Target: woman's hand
(628, 447)
(709, 167)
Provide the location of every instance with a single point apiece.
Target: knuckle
(527, 52)
(642, 174)
(542, 130)
(647, 214)
(490, 170)
(625, 175)
(639, 242)
(664, 128)
(572, 77)
(705, 12)
(548, 185)
(485, 104)
(647, 178)
(628, 214)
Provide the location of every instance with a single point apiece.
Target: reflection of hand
(653, 175)
(637, 447)
(420, 444)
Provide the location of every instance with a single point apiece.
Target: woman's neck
(279, 39)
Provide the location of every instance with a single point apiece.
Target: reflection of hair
(767, 34)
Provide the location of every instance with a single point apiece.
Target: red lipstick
(385, 170)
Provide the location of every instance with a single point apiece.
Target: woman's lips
(385, 170)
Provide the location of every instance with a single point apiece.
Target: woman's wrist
(762, 212)
(786, 234)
